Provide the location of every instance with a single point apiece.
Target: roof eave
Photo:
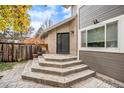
(60, 23)
(57, 25)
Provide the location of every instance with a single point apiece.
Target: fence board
(11, 52)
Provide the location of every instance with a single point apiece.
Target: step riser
(56, 84)
(60, 66)
(58, 73)
(41, 81)
(80, 79)
(60, 60)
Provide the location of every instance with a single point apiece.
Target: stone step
(60, 58)
(58, 81)
(42, 62)
(58, 71)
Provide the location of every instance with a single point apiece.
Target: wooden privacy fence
(11, 52)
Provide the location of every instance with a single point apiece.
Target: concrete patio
(12, 79)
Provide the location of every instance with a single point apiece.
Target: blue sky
(39, 14)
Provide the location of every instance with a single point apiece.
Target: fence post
(12, 52)
(31, 57)
(26, 53)
(8, 52)
(2, 52)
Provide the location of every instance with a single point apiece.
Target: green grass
(8, 65)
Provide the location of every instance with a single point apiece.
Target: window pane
(96, 37)
(83, 39)
(111, 35)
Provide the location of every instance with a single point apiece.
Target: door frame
(68, 42)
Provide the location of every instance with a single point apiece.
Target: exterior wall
(109, 62)
(89, 13)
(73, 10)
(67, 27)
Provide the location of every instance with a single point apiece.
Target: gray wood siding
(110, 64)
(100, 12)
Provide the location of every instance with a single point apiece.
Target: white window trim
(119, 49)
(105, 36)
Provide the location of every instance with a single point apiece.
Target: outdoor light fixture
(72, 31)
(95, 21)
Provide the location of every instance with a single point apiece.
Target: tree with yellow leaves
(14, 17)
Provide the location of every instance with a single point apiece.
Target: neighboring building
(101, 39)
(33, 41)
(62, 37)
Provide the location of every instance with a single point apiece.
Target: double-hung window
(103, 36)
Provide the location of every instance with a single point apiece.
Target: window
(83, 38)
(96, 37)
(111, 35)
(103, 36)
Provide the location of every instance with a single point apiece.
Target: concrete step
(60, 58)
(42, 62)
(58, 71)
(58, 81)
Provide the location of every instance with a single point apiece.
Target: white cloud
(38, 17)
(44, 13)
(49, 13)
(41, 15)
(67, 12)
(35, 13)
(36, 25)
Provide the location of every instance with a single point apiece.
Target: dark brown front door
(63, 43)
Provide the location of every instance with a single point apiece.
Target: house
(101, 39)
(95, 33)
(62, 37)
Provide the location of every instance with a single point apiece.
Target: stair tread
(55, 69)
(41, 60)
(60, 79)
(58, 57)
(56, 80)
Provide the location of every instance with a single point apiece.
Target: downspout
(78, 32)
